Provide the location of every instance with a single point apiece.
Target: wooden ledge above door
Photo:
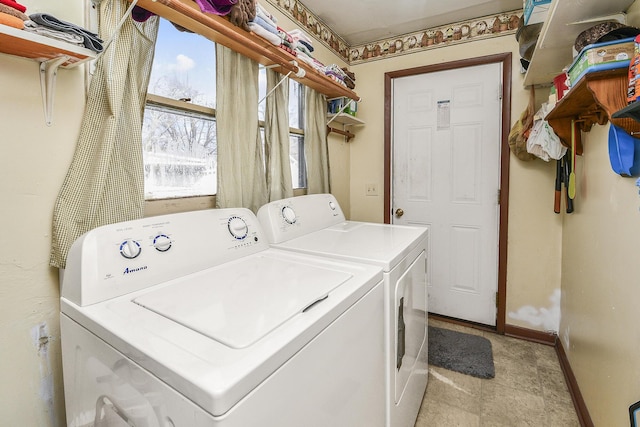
(218, 29)
(592, 100)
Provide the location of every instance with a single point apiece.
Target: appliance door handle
(401, 335)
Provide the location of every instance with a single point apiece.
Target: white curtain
(315, 142)
(276, 138)
(241, 177)
(105, 182)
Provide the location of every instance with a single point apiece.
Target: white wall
(34, 160)
(600, 281)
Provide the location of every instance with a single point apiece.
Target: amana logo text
(133, 270)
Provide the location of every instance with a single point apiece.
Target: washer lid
(245, 300)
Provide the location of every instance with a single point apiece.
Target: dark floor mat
(460, 352)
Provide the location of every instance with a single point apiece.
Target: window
(179, 127)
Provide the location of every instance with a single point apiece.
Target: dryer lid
(243, 301)
(379, 244)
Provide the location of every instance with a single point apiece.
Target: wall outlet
(372, 190)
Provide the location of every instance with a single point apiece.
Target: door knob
(399, 212)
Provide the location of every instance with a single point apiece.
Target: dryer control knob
(130, 249)
(237, 227)
(162, 242)
(289, 214)
(332, 205)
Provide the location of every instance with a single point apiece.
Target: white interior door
(446, 174)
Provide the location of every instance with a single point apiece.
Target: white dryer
(192, 320)
(315, 224)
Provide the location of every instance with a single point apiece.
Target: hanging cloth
(105, 182)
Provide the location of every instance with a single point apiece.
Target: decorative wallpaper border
(431, 38)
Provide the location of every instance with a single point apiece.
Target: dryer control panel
(287, 219)
(120, 258)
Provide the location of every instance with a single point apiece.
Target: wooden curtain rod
(348, 134)
(225, 28)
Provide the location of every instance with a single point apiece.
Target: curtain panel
(276, 138)
(241, 177)
(316, 149)
(105, 182)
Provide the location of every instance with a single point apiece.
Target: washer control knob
(289, 214)
(237, 227)
(332, 205)
(130, 249)
(162, 242)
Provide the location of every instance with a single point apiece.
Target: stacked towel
(350, 78)
(336, 73)
(14, 5)
(90, 40)
(12, 14)
(11, 21)
(35, 28)
(264, 25)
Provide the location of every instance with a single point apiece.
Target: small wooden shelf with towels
(187, 14)
(594, 99)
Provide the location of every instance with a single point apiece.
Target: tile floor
(528, 390)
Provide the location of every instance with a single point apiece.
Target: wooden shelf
(566, 19)
(345, 119)
(187, 14)
(592, 100)
(50, 53)
(39, 48)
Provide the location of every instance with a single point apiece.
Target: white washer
(315, 224)
(192, 320)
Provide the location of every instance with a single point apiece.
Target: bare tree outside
(179, 146)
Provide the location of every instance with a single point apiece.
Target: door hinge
(498, 201)
(500, 92)
(497, 299)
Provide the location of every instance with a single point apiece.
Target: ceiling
(364, 21)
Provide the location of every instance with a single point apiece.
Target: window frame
(187, 203)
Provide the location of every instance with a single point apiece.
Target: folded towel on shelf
(264, 14)
(265, 34)
(288, 49)
(349, 74)
(264, 24)
(243, 12)
(14, 5)
(306, 58)
(337, 71)
(335, 79)
(302, 48)
(91, 40)
(72, 38)
(284, 35)
(13, 12)
(298, 34)
(309, 46)
(11, 21)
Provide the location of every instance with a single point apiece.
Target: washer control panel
(119, 258)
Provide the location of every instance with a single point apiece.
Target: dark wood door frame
(505, 60)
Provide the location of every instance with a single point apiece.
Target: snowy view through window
(179, 139)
